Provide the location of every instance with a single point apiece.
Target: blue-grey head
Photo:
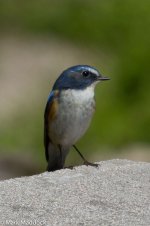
(78, 77)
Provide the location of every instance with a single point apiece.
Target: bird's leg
(87, 163)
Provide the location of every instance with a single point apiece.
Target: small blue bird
(68, 113)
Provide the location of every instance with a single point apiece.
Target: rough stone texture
(116, 193)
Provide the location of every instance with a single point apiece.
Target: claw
(69, 167)
(90, 164)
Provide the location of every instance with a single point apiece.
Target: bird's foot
(90, 164)
(68, 167)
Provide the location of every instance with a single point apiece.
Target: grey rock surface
(116, 193)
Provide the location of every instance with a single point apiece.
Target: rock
(116, 193)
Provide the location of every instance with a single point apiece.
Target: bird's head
(78, 77)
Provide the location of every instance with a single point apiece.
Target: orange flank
(53, 108)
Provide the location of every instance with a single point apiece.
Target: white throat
(83, 95)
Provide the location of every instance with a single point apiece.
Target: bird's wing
(49, 115)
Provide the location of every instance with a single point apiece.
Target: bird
(68, 113)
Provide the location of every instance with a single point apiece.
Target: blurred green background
(39, 39)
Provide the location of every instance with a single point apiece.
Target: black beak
(100, 78)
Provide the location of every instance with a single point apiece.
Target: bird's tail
(56, 157)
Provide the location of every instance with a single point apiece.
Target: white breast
(75, 112)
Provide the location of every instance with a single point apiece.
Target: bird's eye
(85, 73)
